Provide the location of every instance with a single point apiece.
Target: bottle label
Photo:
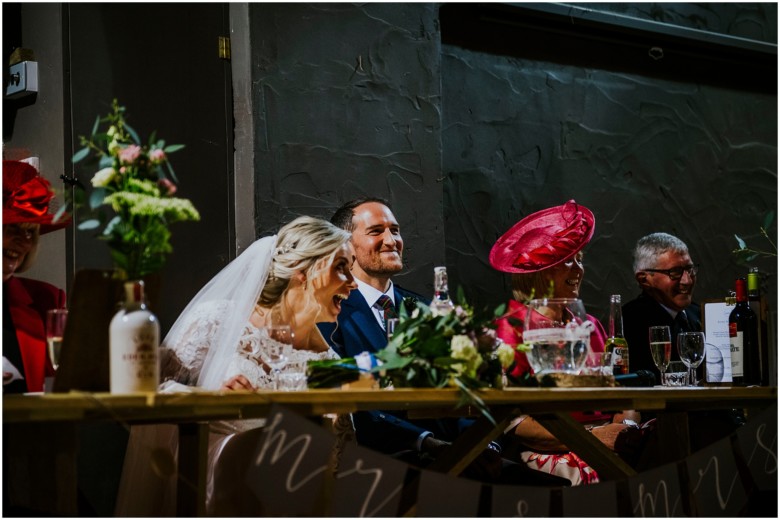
(620, 360)
(134, 353)
(736, 341)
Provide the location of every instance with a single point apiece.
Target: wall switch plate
(22, 79)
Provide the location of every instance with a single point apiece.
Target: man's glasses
(677, 272)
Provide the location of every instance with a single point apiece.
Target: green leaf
(96, 198)
(59, 214)
(96, 125)
(171, 172)
(173, 148)
(770, 217)
(105, 162)
(741, 242)
(152, 137)
(92, 223)
(80, 155)
(133, 134)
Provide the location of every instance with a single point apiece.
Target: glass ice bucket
(558, 331)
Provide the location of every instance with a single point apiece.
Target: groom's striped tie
(385, 304)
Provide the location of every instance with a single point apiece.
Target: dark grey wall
(538, 110)
(347, 103)
(522, 107)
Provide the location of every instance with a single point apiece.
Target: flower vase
(134, 339)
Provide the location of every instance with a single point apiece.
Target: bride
(298, 278)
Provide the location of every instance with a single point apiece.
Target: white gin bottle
(134, 338)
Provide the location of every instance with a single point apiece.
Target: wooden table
(548, 405)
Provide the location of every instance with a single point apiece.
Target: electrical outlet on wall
(22, 79)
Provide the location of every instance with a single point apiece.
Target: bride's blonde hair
(304, 245)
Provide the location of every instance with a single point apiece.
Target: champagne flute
(55, 331)
(690, 346)
(274, 349)
(660, 339)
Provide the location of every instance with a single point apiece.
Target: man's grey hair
(650, 247)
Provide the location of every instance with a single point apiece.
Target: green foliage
(132, 196)
(745, 254)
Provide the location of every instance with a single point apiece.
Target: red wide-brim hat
(26, 198)
(543, 239)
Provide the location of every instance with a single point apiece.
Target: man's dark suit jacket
(359, 331)
(640, 314)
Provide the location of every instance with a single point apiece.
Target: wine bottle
(743, 332)
(759, 307)
(441, 302)
(134, 338)
(616, 345)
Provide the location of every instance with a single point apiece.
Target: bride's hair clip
(283, 250)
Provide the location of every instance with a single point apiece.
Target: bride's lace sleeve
(182, 356)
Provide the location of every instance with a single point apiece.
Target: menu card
(718, 347)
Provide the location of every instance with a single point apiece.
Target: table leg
(605, 461)
(191, 484)
(467, 447)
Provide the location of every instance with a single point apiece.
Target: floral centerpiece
(137, 183)
(433, 350)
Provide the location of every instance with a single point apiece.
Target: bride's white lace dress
(144, 491)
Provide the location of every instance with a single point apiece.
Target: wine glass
(690, 346)
(558, 331)
(274, 349)
(660, 339)
(55, 330)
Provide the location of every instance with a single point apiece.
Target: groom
(378, 248)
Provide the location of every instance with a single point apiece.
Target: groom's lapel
(367, 328)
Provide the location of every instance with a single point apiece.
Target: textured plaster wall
(468, 136)
(644, 153)
(347, 103)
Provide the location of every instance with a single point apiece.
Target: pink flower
(166, 186)
(157, 156)
(130, 154)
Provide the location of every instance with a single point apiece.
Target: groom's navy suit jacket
(358, 331)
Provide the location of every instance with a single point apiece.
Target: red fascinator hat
(543, 239)
(26, 197)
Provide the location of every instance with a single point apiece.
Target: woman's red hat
(26, 197)
(543, 239)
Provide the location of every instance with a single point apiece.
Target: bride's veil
(148, 486)
(232, 295)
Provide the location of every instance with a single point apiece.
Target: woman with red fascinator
(543, 253)
(26, 198)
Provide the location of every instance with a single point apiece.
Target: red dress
(566, 464)
(28, 301)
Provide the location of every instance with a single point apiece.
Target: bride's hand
(238, 382)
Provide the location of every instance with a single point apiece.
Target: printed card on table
(758, 443)
(368, 484)
(716, 485)
(656, 492)
(520, 501)
(441, 495)
(287, 471)
(718, 348)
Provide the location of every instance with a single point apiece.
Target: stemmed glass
(690, 346)
(274, 349)
(559, 333)
(55, 331)
(660, 339)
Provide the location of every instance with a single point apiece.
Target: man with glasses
(666, 275)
